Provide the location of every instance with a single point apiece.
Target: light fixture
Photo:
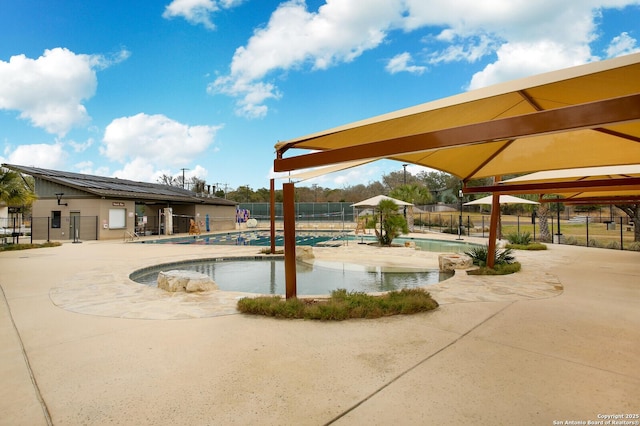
(59, 197)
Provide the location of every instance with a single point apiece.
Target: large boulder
(450, 262)
(304, 253)
(188, 281)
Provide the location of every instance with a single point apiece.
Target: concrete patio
(82, 345)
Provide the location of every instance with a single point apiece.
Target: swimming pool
(308, 238)
(264, 275)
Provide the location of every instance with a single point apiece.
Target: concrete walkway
(82, 345)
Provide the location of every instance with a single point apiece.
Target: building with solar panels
(74, 206)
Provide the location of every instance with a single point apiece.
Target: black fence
(305, 212)
(64, 228)
(617, 232)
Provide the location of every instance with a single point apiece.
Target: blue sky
(140, 89)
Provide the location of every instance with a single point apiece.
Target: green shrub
(341, 305)
(519, 238)
(530, 246)
(634, 246)
(498, 269)
(572, 241)
(595, 243)
(479, 255)
(13, 247)
(613, 245)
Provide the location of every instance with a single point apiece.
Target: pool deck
(82, 344)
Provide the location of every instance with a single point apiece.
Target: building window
(117, 218)
(55, 218)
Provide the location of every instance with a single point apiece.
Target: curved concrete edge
(108, 291)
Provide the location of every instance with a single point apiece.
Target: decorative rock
(449, 262)
(188, 281)
(304, 253)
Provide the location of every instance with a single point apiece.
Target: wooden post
(493, 226)
(272, 200)
(289, 212)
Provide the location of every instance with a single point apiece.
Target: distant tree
(168, 180)
(633, 211)
(196, 185)
(415, 193)
(242, 194)
(396, 179)
(440, 184)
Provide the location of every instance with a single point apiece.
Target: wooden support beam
(289, 212)
(493, 227)
(596, 185)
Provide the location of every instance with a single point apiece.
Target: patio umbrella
(504, 199)
(374, 201)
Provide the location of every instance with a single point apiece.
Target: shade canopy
(600, 185)
(374, 201)
(585, 116)
(504, 199)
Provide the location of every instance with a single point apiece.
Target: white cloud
(46, 156)
(339, 32)
(468, 30)
(149, 145)
(400, 63)
(81, 146)
(470, 49)
(49, 91)
(516, 60)
(623, 44)
(198, 11)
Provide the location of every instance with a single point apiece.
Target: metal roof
(119, 188)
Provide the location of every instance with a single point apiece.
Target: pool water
(267, 276)
(318, 238)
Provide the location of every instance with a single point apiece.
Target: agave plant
(519, 238)
(479, 255)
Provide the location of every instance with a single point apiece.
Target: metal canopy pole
(493, 230)
(289, 212)
(493, 227)
(272, 200)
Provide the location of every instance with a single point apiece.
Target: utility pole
(183, 182)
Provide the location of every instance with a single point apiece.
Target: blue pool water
(305, 238)
(266, 276)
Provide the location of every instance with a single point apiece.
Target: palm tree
(14, 190)
(414, 194)
(392, 223)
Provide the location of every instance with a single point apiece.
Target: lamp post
(460, 195)
(404, 209)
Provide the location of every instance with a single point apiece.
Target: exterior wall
(87, 209)
(107, 230)
(221, 218)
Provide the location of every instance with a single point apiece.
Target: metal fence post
(621, 235)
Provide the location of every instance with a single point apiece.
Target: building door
(74, 226)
